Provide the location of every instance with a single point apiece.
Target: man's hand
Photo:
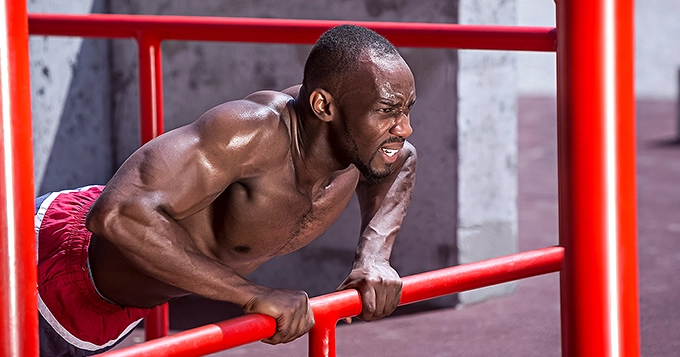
(380, 288)
(290, 309)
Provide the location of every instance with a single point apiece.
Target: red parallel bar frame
(149, 31)
(18, 295)
(193, 28)
(596, 164)
(328, 309)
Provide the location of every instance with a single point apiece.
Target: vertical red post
(322, 337)
(157, 323)
(18, 295)
(150, 87)
(596, 163)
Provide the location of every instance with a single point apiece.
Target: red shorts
(67, 298)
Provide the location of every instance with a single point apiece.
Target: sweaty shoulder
(255, 130)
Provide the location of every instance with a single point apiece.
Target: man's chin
(376, 176)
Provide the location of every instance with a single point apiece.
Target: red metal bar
(150, 86)
(194, 28)
(18, 295)
(596, 161)
(328, 309)
(157, 323)
(465, 277)
(206, 339)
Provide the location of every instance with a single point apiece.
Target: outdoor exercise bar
(149, 31)
(18, 293)
(330, 308)
(596, 178)
(596, 154)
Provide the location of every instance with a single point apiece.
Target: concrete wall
(657, 57)
(70, 103)
(487, 147)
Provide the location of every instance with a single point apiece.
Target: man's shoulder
(275, 100)
(256, 109)
(261, 118)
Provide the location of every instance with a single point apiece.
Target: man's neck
(313, 156)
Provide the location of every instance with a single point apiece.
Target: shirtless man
(200, 207)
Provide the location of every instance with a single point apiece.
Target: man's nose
(402, 127)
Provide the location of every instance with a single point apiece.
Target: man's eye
(386, 110)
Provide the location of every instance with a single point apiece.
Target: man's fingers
(386, 299)
(393, 298)
(348, 284)
(380, 302)
(368, 306)
(292, 311)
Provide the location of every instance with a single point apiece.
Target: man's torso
(253, 220)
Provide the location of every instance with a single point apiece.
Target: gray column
(487, 147)
(70, 103)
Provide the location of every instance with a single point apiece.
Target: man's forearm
(383, 208)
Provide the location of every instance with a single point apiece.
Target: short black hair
(337, 52)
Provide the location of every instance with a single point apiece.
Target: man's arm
(383, 207)
(177, 175)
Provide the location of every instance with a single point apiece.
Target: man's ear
(322, 104)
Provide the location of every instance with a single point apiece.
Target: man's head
(337, 52)
(357, 82)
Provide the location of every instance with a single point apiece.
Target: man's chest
(273, 217)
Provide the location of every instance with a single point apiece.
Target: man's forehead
(393, 79)
(372, 59)
(381, 76)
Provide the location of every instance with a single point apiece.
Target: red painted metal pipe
(465, 277)
(150, 86)
(157, 323)
(328, 309)
(18, 295)
(193, 28)
(596, 164)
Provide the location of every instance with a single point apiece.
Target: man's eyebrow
(388, 101)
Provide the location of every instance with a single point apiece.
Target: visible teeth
(389, 152)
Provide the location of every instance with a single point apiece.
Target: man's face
(375, 112)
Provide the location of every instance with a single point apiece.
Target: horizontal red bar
(251, 328)
(476, 275)
(203, 28)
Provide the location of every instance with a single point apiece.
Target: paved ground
(527, 322)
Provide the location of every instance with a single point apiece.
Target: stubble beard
(372, 175)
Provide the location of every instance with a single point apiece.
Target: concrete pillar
(487, 147)
(70, 104)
